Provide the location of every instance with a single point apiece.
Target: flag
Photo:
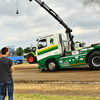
(7, 0)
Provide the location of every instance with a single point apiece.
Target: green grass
(50, 97)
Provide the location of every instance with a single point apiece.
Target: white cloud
(33, 21)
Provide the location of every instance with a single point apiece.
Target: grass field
(49, 97)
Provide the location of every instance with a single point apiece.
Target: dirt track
(66, 81)
(30, 72)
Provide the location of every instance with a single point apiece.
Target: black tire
(43, 69)
(21, 61)
(16, 63)
(94, 60)
(31, 58)
(52, 65)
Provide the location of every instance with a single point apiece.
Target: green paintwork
(48, 49)
(32, 53)
(42, 62)
(71, 58)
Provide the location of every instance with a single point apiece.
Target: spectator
(6, 70)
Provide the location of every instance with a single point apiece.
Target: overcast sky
(21, 30)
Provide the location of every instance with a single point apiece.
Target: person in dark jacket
(6, 70)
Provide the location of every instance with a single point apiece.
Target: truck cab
(50, 48)
(51, 45)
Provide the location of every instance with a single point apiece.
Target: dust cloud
(90, 2)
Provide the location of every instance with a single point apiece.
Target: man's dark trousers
(9, 85)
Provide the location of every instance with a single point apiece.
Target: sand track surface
(81, 81)
(30, 72)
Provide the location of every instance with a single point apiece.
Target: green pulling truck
(55, 52)
(55, 55)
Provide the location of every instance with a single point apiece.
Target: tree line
(20, 51)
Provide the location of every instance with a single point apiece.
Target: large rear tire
(52, 65)
(31, 58)
(94, 60)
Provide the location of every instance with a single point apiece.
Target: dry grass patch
(57, 87)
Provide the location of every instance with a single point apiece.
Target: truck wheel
(94, 60)
(52, 65)
(15, 63)
(31, 58)
(21, 61)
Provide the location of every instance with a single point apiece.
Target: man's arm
(12, 69)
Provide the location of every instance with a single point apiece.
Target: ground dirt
(81, 81)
